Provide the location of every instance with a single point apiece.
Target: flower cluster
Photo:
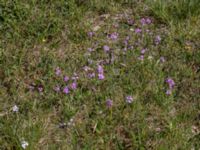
(142, 52)
(100, 72)
(113, 36)
(171, 85)
(157, 39)
(95, 67)
(70, 83)
(145, 21)
(128, 99)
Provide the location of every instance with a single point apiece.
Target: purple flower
(143, 50)
(170, 82)
(101, 76)
(74, 86)
(162, 59)
(143, 21)
(66, 90)
(90, 49)
(141, 57)
(57, 89)
(113, 35)
(100, 69)
(106, 48)
(129, 99)
(168, 92)
(58, 71)
(90, 34)
(109, 103)
(91, 75)
(130, 21)
(138, 30)
(148, 21)
(40, 88)
(126, 40)
(66, 78)
(157, 39)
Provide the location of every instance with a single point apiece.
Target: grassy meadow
(99, 74)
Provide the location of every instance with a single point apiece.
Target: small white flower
(24, 144)
(150, 58)
(69, 123)
(96, 28)
(100, 112)
(15, 108)
(71, 120)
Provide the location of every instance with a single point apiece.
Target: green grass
(39, 36)
(174, 10)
